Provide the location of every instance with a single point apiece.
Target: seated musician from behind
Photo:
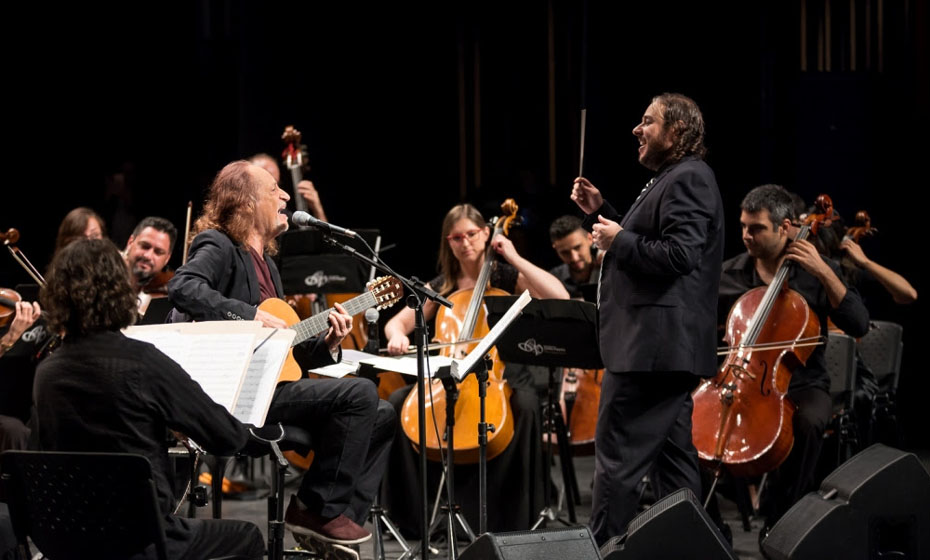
(575, 246)
(766, 219)
(514, 477)
(101, 391)
(229, 271)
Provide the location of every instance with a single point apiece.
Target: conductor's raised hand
(586, 195)
(340, 326)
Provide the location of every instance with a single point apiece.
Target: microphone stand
(419, 293)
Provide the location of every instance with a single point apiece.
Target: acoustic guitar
(380, 293)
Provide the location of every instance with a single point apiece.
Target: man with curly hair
(228, 273)
(101, 391)
(657, 298)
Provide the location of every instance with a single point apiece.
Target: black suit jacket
(219, 282)
(660, 276)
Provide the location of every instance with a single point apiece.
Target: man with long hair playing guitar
(228, 273)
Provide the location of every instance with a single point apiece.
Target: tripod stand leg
(395, 533)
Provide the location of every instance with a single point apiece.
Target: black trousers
(352, 432)
(196, 539)
(515, 477)
(796, 476)
(13, 433)
(643, 426)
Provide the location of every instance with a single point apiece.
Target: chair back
(881, 349)
(840, 356)
(83, 505)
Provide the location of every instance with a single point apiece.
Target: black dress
(515, 476)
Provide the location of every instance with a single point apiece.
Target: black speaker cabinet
(876, 505)
(675, 527)
(573, 543)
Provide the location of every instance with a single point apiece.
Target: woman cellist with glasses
(469, 257)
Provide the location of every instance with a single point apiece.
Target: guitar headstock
(387, 290)
(295, 153)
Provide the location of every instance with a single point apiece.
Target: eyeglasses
(459, 238)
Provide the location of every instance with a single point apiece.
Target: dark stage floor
(745, 543)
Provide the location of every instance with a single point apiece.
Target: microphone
(303, 219)
(371, 316)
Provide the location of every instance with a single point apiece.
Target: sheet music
(262, 375)
(407, 365)
(215, 354)
(460, 368)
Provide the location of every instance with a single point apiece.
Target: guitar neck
(312, 326)
(296, 177)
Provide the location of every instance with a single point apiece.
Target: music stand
(551, 333)
(308, 263)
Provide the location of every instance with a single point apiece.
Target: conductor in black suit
(657, 302)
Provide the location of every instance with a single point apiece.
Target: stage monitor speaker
(572, 543)
(675, 527)
(875, 505)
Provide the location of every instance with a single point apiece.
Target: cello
(741, 418)
(465, 321)
(579, 398)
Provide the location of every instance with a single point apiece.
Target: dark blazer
(219, 282)
(658, 291)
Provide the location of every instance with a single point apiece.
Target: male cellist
(766, 222)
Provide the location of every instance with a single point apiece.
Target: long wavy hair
(682, 113)
(87, 289)
(231, 205)
(73, 225)
(448, 265)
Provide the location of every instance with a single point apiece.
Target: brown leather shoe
(338, 530)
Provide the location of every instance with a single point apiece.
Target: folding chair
(83, 505)
(840, 356)
(881, 350)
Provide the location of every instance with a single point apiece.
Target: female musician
(841, 243)
(766, 221)
(461, 256)
(82, 222)
(515, 476)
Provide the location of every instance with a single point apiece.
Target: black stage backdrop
(409, 108)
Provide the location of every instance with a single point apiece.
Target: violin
(467, 320)
(8, 300)
(741, 418)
